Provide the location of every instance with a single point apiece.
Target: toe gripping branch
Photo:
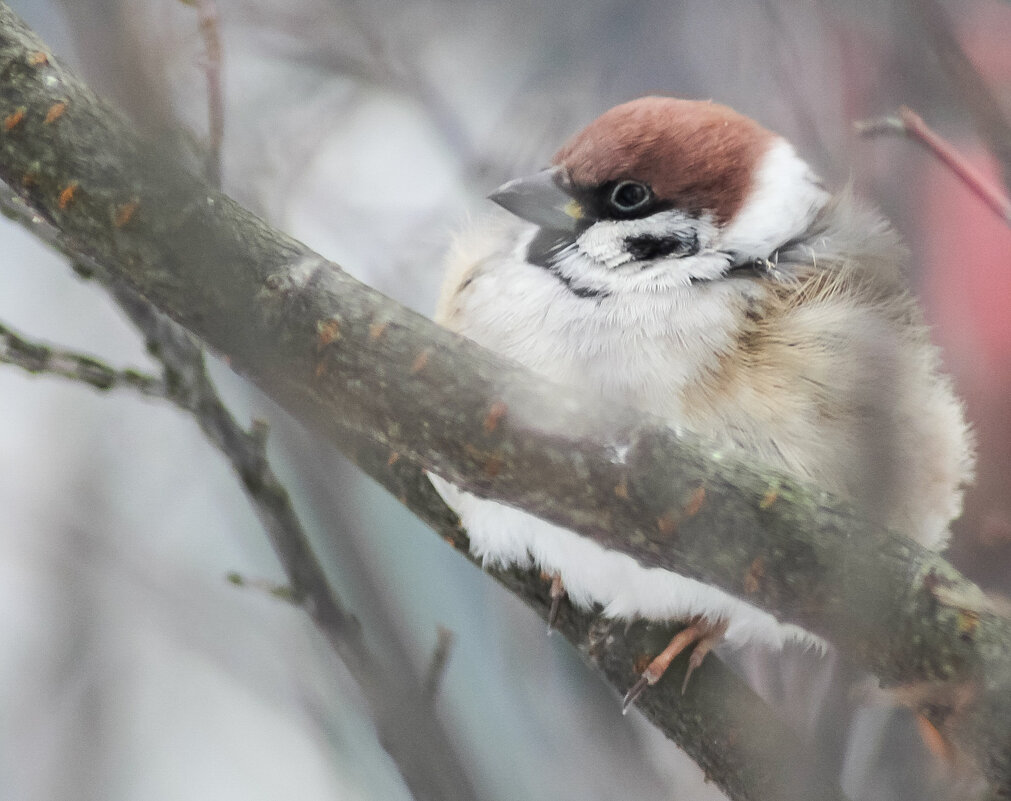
(703, 633)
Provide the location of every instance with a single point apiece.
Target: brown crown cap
(695, 154)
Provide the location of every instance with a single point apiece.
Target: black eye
(629, 196)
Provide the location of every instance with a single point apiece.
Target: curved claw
(698, 654)
(556, 593)
(710, 638)
(553, 613)
(634, 692)
(703, 634)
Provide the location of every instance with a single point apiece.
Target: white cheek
(785, 199)
(605, 241)
(599, 258)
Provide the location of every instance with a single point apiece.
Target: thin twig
(38, 358)
(282, 592)
(187, 384)
(192, 390)
(402, 710)
(972, 89)
(207, 17)
(911, 125)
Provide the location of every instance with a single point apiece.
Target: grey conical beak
(541, 199)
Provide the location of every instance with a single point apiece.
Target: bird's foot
(704, 634)
(556, 593)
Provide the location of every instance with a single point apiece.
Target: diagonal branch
(991, 121)
(722, 724)
(403, 712)
(911, 124)
(712, 724)
(402, 703)
(344, 359)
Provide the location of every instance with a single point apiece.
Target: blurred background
(132, 669)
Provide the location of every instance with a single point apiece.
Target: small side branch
(401, 702)
(38, 358)
(969, 84)
(910, 124)
(389, 694)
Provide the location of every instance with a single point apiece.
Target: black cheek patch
(647, 248)
(543, 252)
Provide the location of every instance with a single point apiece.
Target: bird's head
(662, 192)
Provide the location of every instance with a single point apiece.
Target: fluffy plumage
(784, 331)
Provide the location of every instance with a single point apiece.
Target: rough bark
(377, 378)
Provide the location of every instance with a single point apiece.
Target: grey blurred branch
(43, 359)
(396, 69)
(397, 394)
(440, 658)
(403, 712)
(402, 703)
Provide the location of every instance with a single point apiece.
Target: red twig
(910, 124)
(974, 94)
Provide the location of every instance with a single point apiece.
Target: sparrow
(680, 258)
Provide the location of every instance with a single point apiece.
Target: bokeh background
(132, 669)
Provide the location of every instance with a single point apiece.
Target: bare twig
(991, 120)
(38, 358)
(208, 19)
(208, 15)
(191, 389)
(425, 756)
(283, 592)
(911, 125)
(401, 706)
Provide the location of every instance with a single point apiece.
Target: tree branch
(722, 724)
(402, 711)
(908, 123)
(402, 703)
(345, 359)
(991, 121)
(38, 358)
